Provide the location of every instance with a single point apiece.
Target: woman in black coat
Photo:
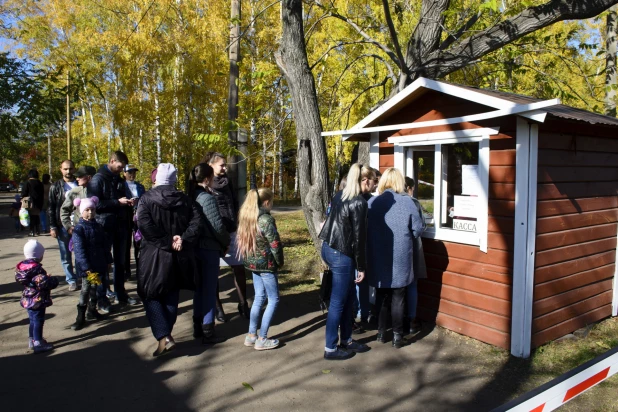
(34, 190)
(169, 223)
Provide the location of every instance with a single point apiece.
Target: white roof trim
(532, 108)
(431, 137)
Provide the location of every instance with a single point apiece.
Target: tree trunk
(312, 161)
(280, 168)
(49, 153)
(157, 124)
(232, 97)
(610, 62)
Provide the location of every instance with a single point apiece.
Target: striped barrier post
(559, 391)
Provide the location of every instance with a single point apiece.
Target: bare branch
(394, 39)
(452, 38)
(339, 44)
(528, 21)
(364, 34)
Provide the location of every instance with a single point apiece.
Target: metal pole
(68, 120)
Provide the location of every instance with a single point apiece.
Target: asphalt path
(108, 365)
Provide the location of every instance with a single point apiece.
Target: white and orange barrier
(559, 391)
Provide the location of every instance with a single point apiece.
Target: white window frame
(406, 163)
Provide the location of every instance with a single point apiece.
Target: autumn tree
(422, 46)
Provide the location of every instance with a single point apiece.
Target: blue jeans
(44, 225)
(205, 296)
(412, 298)
(37, 319)
(62, 236)
(340, 312)
(265, 284)
(362, 307)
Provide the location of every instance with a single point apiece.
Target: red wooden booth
(521, 197)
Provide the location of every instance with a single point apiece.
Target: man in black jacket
(57, 194)
(113, 213)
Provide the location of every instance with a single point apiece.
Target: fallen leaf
(325, 371)
(247, 386)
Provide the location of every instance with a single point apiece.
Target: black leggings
(391, 303)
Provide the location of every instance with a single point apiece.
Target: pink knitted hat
(86, 203)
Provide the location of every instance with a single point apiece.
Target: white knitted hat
(85, 203)
(33, 250)
(166, 174)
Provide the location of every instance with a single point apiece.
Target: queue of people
(182, 238)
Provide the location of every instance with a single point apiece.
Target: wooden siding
(469, 291)
(577, 211)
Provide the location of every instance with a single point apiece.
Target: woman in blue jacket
(394, 223)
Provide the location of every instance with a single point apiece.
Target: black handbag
(325, 289)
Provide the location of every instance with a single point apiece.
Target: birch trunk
(610, 62)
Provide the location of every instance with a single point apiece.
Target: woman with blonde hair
(260, 248)
(394, 223)
(343, 249)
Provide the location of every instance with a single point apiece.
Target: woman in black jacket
(169, 223)
(343, 250)
(34, 190)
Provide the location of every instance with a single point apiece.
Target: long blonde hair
(352, 188)
(248, 230)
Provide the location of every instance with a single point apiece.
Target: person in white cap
(169, 222)
(92, 256)
(36, 296)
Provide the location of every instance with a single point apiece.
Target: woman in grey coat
(393, 224)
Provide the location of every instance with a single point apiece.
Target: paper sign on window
(465, 206)
(470, 181)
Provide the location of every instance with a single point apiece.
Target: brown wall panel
(502, 191)
(568, 206)
(501, 208)
(546, 321)
(577, 143)
(552, 303)
(571, 325)
(465, 267)
(558, 223)
(563, 284)
(469, 252)
(502, 158)
(485, 287)
(579, 158)
(502, 174)
(387, 161)
(467, 298)
(574, 252)
(473, 330)
(501, 224)
(573, 236)
(501, 323)
(575, 190)
(554, 174)
(551, 272)
(500, 241)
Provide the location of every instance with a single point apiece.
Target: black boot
(80, 320)
(243, 310)
(415, 326)
(197, 327)
(220, 315)
(398, 340)
(92, 313)
(210, 337)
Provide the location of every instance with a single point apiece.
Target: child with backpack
(262, 252)
(36, 296)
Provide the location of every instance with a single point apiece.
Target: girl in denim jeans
(262, 252)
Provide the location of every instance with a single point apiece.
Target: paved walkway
(108, 365)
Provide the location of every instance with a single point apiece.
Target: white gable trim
(532, 109)
(431, 138)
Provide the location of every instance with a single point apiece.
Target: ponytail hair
(248, 230)
(352, 188)
(197, 176)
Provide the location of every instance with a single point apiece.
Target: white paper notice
(465, 206)
(470, 182)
